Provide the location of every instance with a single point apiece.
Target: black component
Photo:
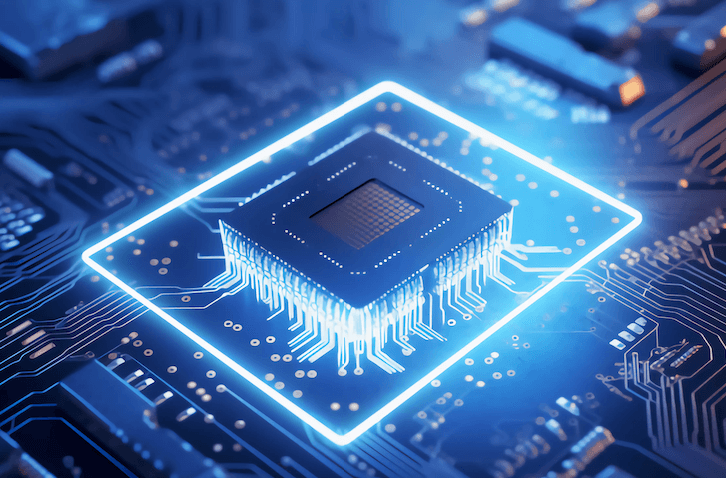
(424, 212)
(42, 38)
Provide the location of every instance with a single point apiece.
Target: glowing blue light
(318, 315)
(331, 116)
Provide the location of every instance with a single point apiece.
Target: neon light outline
(327, 118)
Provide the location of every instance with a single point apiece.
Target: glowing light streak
(321, 122)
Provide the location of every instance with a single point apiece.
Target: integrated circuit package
(353, 241)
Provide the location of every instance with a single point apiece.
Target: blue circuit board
(363, 239)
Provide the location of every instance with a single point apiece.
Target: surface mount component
(43, 38)
(364, 224)
(702, 43)
(565, 61)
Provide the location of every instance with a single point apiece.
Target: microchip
(366, 221)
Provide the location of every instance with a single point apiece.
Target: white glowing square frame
(348, 106)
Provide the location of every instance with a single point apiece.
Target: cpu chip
(366, 221)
